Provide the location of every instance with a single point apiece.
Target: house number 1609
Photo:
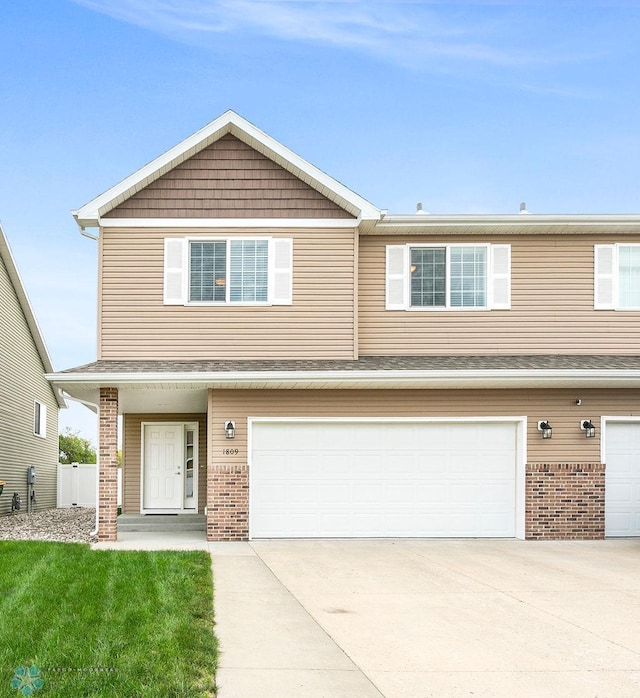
(229, 451)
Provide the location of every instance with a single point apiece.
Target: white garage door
(622, 479)
(368, 479)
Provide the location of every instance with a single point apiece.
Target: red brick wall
(228, 502)
(108, 465)
(565, 501)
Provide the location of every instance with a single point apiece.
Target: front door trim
(185, 425)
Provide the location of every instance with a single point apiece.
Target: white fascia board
(228, 223)
(431, 220)
(229, 122)
(352, 379)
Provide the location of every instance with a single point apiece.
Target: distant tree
(74, 449)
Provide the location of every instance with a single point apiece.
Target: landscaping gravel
(66, 525)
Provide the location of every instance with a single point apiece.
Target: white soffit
(89, 215)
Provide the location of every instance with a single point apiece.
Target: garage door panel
(622, 479)
(323, 479)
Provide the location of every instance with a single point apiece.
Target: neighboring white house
(28, 403)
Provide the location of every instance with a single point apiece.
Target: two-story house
(28, 404)
(293, 361)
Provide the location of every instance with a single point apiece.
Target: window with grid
(629, 276)
(449, 277)
(235, 271)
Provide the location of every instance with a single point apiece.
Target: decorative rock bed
(66, 525)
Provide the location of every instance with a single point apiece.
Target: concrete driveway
(413, 618)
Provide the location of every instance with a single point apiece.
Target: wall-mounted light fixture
(587, 426)
(230, 429)
(545, 428)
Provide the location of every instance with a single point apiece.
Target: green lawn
(106, 623)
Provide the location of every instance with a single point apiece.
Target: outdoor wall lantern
(545, 428)
(230, 429)
(587, 426)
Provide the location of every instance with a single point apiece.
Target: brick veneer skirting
(228, 502)
(565, 501)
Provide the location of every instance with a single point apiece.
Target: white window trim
(228, 242)
(491, 276)
(615, 278)
(177, 270)
(39, 424)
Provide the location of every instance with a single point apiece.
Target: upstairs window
(40, 419)
(443, 277)
(245, 279)
(254, 271)
(617, 277)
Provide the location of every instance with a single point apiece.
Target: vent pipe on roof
(523, 208)
(419, 208)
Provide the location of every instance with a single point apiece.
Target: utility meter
(31, 475)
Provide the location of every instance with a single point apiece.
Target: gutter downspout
(94, 408)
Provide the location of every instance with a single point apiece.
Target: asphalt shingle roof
(540, 362)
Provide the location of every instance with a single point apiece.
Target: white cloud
(413, 33)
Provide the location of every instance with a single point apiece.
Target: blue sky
(466, 107)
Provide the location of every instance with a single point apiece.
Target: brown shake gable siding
(228, 179)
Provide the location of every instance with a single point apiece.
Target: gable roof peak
(230, 122)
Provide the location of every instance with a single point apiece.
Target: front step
(162, 522)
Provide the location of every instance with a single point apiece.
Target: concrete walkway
(418, 618)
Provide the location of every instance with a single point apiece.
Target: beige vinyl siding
(134, 323)
(22, 382)
(131, 456)
(568, 444)
(228, 179)
(551, 304)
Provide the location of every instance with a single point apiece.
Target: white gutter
(381, 377)
(288, 223)
(471, 219)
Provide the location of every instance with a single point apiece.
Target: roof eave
(408, 379)
(531, 219)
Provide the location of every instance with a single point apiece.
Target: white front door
(622, 479)
(163, 466)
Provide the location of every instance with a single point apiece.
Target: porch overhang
(178, 387)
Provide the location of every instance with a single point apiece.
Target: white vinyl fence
(77, 485)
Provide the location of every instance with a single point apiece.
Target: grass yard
(106, 623)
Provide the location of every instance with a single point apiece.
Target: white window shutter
(500, 277)
(281, 271)
(175, 271)
(603, 277)
(396, 277)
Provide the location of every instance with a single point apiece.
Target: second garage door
(382, 478)
(622, 487)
